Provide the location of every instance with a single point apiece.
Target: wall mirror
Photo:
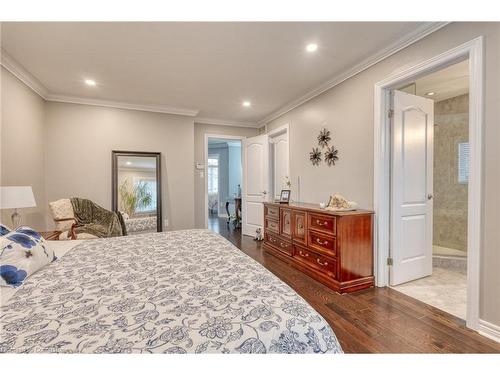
(136, 190)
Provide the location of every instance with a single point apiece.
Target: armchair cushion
(63, 214)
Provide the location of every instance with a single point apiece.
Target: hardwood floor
(377, 320)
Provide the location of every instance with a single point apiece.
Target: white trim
(405, 41)
(205, 161)
(122, 105)
(280, 129)
(473, 50)
(213, 121)
(489, 330)
(22, 74)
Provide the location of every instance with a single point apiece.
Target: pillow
(22, 253)
(4, 229)
(62, 209)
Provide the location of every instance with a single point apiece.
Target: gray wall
(451, 118)
(22, 146)
(199, 149)
(347, 110)
(81, 138)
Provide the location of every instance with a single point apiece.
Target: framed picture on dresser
(285, 196)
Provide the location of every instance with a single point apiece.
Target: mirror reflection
(135, 191)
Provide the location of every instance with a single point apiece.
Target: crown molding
(122, 105)
(22, 74)
(213, 121)
(403, 42)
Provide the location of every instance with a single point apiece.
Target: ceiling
(200, 68)
(445, 83)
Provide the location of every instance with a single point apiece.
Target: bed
(140, 224)
(176, 292)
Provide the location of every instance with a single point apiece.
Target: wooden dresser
(335, 248)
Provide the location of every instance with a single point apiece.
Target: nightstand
(51, 235)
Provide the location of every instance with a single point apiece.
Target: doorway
(223, 181)
(429, 172)
(265, 173)
(473, 52)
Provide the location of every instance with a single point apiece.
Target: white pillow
(22, 253)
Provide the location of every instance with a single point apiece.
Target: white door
(255, 183)
(411, 170)
(279, 150)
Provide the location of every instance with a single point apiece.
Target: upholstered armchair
(65, 221)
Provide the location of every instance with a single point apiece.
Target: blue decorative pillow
(22, 253)
(4, 229)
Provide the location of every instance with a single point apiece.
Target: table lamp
(16, 197)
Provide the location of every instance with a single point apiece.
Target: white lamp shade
(16, 197)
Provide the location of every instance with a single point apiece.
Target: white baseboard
(489, 330)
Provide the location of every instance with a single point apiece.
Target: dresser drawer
(315, 260)
(280, 244)
(272, 212)
(322, 242)
(322, 223)
(272, 225)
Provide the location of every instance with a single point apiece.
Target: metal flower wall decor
(331, 153)
(324, 138)
(315, 156)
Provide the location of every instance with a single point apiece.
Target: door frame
(272, 134)
(205, 163)
(472, 50)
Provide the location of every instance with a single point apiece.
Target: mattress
(175, 292)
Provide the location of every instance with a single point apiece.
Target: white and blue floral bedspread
(177, 292)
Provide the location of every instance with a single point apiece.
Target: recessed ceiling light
(246, 103)
(128, 163)
(430, 93)
(311, 47)
(90, 82)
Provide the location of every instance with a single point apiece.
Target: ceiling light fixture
(246, 103)
(128, 163)
(431, 93)
(311, 47)
(90, 82)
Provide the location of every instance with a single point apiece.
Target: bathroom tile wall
(450, 197)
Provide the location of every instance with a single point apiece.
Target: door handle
(264, 192)
(430, 196)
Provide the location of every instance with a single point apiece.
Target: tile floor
(445, 289)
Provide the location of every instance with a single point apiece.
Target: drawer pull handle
(321, 243)
(302, 254)
(321, 223)
(321, 263)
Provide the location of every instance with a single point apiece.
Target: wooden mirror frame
(114, 180)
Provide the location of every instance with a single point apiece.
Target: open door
(255, 182)
(411, 187)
